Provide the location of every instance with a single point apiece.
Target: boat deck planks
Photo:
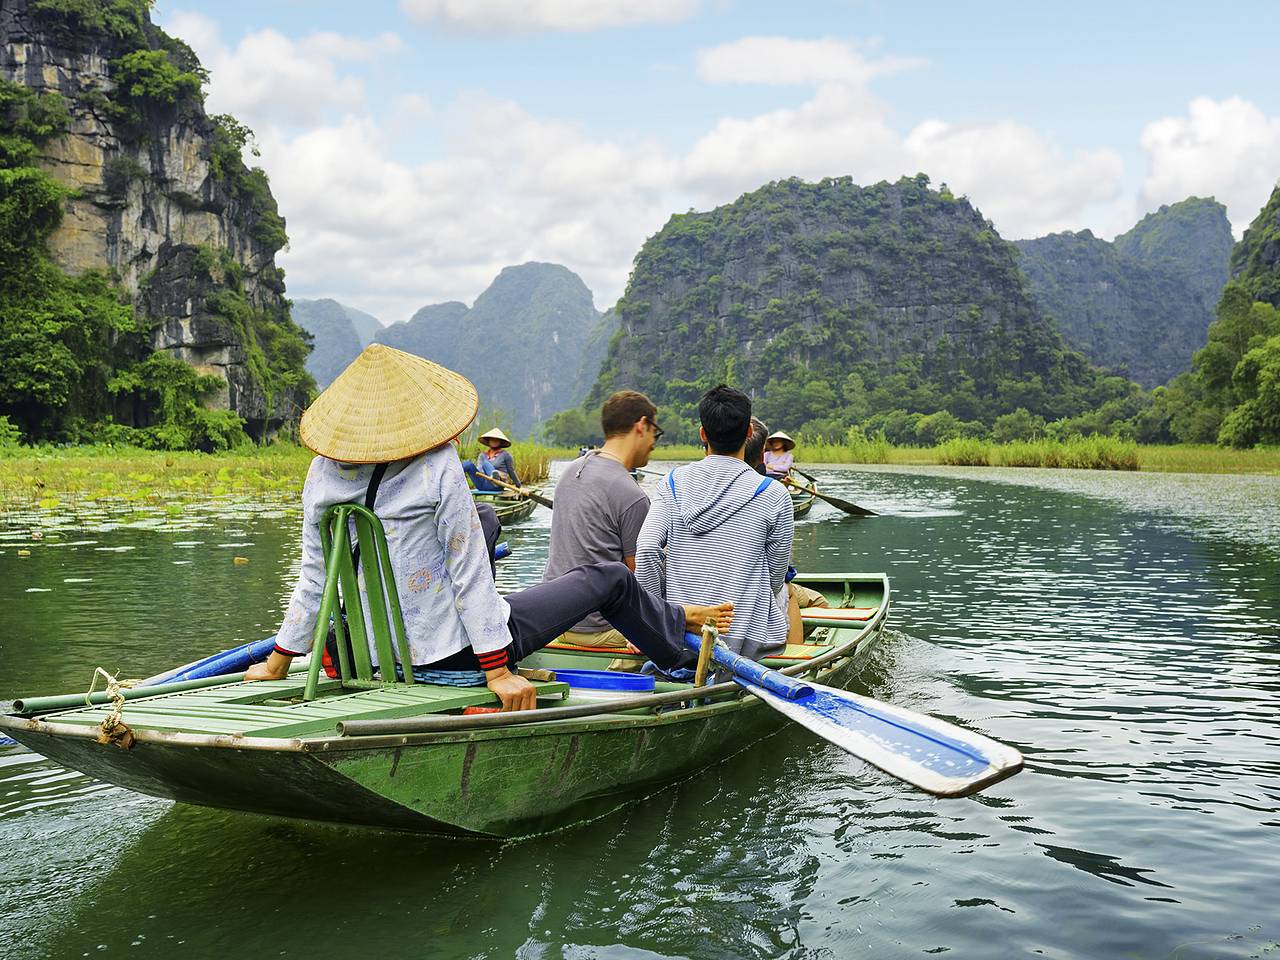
(262, 714)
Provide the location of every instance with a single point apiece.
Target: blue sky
(418, 147)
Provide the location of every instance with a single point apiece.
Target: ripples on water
(1120, 630)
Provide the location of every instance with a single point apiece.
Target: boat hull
(494, 782)
(510, 509)
(802, 504)
(480, 783)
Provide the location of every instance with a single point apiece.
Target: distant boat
(509, 507)
(801, 502)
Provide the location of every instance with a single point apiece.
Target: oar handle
(536, 498)
(749, 670)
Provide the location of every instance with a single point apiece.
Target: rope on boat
(112, 729)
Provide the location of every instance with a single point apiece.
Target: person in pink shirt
(777, 455)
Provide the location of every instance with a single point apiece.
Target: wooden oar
(934, 755)
(535, 497)
(845, 505)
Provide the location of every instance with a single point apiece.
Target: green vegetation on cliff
(1139, 306)
(1231, 395)
(76, 351)
(62, 337)
(839, 305)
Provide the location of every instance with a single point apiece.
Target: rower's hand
(515, 692)
(275, 667)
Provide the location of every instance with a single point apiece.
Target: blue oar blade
(936, 756)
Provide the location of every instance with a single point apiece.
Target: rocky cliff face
(522, 342)
(190, 236)
(1255, 261)
(1142, 304)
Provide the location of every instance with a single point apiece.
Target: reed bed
(53, 476)
(1079, 453)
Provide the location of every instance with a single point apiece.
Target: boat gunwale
(729, 696)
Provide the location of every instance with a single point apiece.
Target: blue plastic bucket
(605, 683)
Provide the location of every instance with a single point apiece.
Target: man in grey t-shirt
(600, 508)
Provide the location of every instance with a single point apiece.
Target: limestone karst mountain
(831, 302)
(338, 334)
(1140, 305)
(523, 341)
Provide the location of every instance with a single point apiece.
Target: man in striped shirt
(717, 529)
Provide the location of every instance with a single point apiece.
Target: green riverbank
(1090, 453)
(53, 476)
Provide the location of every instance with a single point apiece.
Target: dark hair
(754, 452)
(621, 411)
(726, 417)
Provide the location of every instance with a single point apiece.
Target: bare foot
(721, 615)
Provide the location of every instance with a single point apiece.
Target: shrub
(150, 76)
(965, 452)
(10, 435)
(122, 171)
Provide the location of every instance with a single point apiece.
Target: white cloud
(389, 235)
(568, 15)
(1023, 183)
(271, 78)
(1228, 149)
(782, 61)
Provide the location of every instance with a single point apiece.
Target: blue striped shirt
(726, 536)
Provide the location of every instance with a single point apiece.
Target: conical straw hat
(495, 434)
(388, 405)
(787, 442)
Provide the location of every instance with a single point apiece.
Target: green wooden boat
(801, 503)
(509, 507)
(259, 747)
(402, 755)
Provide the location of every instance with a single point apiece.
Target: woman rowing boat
(495, 460)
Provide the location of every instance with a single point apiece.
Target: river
(1119, 629)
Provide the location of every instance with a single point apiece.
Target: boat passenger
(390, 415)
(717, 529)
(600, 508)
(796, 596)
(777, 455)
(753, 452)
(495, 460)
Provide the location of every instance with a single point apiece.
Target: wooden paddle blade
(938, 757)
(845, 505)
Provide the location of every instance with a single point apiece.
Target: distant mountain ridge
(1142, 304)
(338, 334)
(526, 342)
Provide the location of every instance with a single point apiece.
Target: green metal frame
(341, 586)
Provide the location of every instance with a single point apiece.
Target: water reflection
(1121, 631)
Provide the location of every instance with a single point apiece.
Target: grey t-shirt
(599, 512)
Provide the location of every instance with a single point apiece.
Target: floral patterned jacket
(447, 593)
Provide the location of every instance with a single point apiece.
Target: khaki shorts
(608, 640)
(805, 597)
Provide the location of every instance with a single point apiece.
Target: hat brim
(388, 405)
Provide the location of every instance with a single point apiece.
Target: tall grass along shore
(1090, 453)
(53, 476)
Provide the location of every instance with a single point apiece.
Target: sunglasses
(657, 430)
